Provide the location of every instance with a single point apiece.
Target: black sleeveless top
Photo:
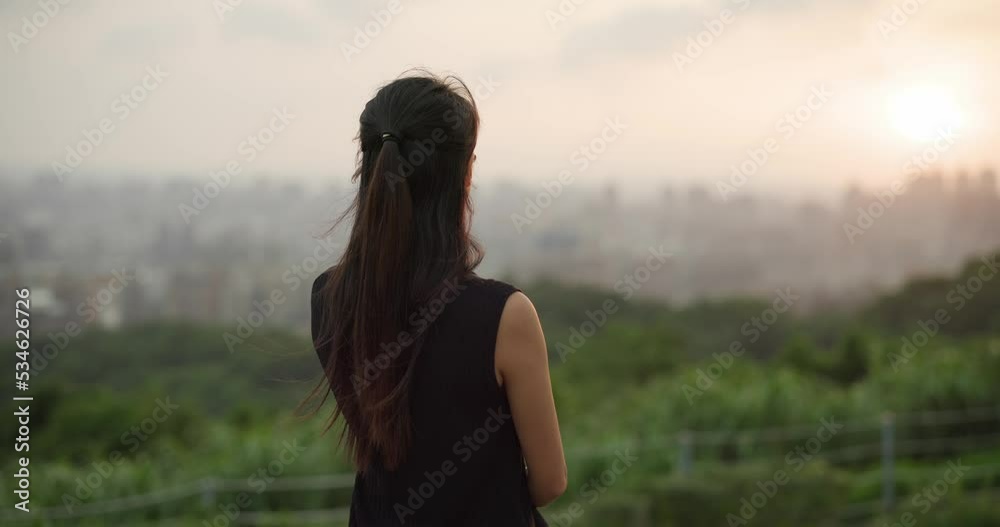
(465, 467)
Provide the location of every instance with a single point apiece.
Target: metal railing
(686, 442)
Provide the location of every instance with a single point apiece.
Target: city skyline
(214, 260)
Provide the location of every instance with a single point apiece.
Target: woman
(440, 378)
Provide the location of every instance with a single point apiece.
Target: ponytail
(385, 220)
(386, 213)
(408, 239)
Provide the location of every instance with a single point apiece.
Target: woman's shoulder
(316, 311)
(491, 284)
(495, 290)
(472, 288)
(320, 281)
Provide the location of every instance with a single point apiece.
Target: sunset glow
(920, 113)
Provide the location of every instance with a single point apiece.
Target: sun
(922, 113)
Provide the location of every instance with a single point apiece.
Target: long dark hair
(409, 236)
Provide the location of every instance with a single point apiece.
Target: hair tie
(389, 136)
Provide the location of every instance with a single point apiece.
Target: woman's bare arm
(522, 366)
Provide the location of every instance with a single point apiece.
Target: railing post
(643, 514)
(208, 494)
(685, 459)
(888, 461)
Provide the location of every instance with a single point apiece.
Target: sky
(772, 95)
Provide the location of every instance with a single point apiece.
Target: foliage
(637, 383)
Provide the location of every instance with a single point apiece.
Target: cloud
(146, 39)
(638, 31)
(282, 24)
